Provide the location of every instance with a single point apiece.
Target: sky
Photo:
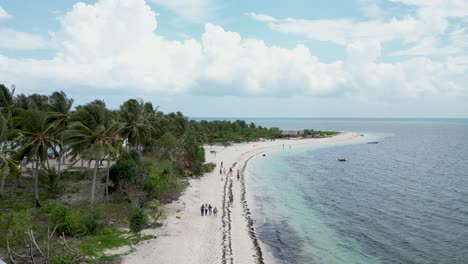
(257, 58)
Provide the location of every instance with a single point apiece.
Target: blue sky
(296, 58)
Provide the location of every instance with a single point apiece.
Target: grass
(319, 133)
(93, 247)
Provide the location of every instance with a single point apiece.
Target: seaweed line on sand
(248, 217)
(226, 220)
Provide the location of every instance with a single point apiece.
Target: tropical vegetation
(74, 175)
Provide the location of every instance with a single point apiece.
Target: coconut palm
(135, 116)
(7, 164)
(94, 135)
(7, 102)
(95, 144)
(36, 139)
(60, 107)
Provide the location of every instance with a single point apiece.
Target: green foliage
(138, 220)
(135, 156)
(325, 133)
(154, 207)
(95, 245)
(167, 142)
(123, 170)
(13, 226)
(224, 132)
(208, 167)
(161, 184)
(74, 221)
(194, 157)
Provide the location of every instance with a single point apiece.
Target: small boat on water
(342, 159)
(373, 142)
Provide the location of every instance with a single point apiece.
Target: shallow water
(404, 200)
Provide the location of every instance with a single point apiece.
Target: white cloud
(261, 17)
(191, 10)
(426, 29)
(438, 8)
(16, 40)
(363, 51)
(371, 8)
(4, 14)
(114, 44)
(344, 31)
(253, 68)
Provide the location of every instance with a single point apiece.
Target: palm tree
(7, 164)
(60, 107)
(95, 135)
(37, 140)
(135, 115)
(97, 143)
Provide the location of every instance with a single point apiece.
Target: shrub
(155, 210)
(92, 222)
(13, 226)
(135, 156)
(138, 219)
(66, 220)
(123, 170)
(161, 184)
(208, 167)
(73, 221)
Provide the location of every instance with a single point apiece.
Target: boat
(373, 142)
(342, 159)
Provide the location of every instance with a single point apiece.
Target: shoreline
(187, 237)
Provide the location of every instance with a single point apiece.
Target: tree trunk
(18, 180)
(60, 160)
(2, 185)
(58, 168)
(48, 164)
(82, 167)
(36, 184)
(93, 188)
(107, 179)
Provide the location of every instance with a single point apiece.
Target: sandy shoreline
(187, 237)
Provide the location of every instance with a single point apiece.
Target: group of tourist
(207, 210)
(222, 171)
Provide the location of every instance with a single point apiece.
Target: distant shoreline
(187, 237)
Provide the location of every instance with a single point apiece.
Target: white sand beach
(187, 237)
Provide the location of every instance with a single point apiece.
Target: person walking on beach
(209, 209)
(238, 175)
(206, 209)
(215, 212)
(220, 171)
(202, 209)
(221, 164)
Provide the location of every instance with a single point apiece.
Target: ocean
(404, 200)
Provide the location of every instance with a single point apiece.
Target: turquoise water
(404, 200)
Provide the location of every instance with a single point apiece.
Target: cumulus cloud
(371, 8)
(191, 10)
(344, 31)
(253, 68)
(111, 45)
(425, 29)
(114, 44)
(16, 40)
(4, 14)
